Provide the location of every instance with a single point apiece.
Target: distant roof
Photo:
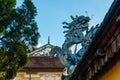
(43, 50)
(39, 58)
(44, 62)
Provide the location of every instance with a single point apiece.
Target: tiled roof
(44, 62)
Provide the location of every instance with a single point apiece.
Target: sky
(51, 14)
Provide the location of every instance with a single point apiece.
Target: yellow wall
(113, 73)
(21, 76)
(39, 76)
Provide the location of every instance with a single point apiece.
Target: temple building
(40, 66)
(101, 61)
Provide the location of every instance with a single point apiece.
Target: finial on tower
(48, 39)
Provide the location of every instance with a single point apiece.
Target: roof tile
(44, 62)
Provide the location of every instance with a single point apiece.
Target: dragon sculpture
(77, 32)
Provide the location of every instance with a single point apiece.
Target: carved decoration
(74, 35)
(118, 19)
(100, 52)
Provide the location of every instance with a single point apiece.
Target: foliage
(6, 9)
(18, 31)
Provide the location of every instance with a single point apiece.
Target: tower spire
(48, 39)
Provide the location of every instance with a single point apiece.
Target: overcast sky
(51, 14)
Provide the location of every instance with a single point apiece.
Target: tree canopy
(18, 31)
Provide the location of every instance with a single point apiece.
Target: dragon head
(76, 28)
